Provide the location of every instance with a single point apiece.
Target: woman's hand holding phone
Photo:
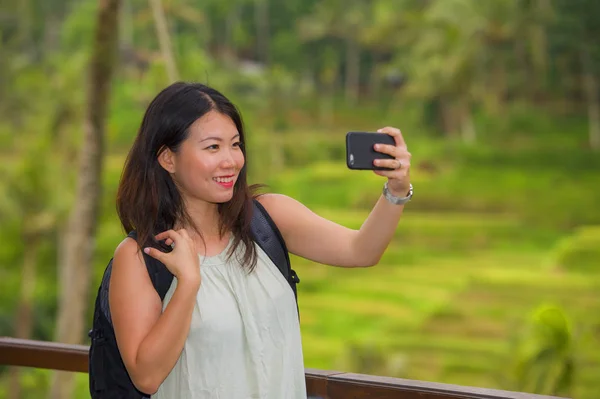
(399, 173)
(384, 152)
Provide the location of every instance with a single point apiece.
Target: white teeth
(223, 179)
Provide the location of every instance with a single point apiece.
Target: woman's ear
(166, 159)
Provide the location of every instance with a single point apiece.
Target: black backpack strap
(269, 238)
(265, 234)
(159, 274)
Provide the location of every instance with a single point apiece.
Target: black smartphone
(359, 149)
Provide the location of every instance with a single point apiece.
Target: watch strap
(397, 200)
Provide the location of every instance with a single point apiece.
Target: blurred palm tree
(544, 357)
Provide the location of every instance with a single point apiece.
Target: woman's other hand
(183, 261)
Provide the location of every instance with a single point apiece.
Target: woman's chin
(225, 197)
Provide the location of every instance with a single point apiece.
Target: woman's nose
(228, 160)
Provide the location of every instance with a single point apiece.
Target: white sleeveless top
(244, 340)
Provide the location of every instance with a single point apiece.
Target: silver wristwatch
(397, 200)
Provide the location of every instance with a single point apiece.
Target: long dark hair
(148, 200)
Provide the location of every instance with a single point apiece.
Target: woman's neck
(205, 217)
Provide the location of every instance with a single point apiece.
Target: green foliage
(580, 252)
(545, 354)
(469, 258)
(330, 185)
(374, 359)
(78, 29)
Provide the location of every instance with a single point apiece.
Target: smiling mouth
(224, 180)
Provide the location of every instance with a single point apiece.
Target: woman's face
(209, 161)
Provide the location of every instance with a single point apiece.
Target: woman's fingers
(172, 234)
(156, 254)
(386, 149)
(392, 151)
(396, 134)
(388, 163)
(396, 152)
(183, 260)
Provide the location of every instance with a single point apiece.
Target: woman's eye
(213, 147)
(238, 144)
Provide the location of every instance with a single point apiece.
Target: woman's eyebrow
(219, 138)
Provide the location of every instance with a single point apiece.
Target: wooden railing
(320, 384)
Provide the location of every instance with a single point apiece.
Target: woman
(224, 329)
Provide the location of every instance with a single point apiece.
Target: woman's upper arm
(134, 303)
(309, 235)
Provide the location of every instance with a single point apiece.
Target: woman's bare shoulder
(128, 252)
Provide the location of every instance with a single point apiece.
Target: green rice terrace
(482, 254)
(491, 239)
(492, 279)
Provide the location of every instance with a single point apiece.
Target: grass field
(473, 258)
(447, 313)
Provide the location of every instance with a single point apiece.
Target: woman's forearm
(377, 231)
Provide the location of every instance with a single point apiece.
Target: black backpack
(108, 377)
